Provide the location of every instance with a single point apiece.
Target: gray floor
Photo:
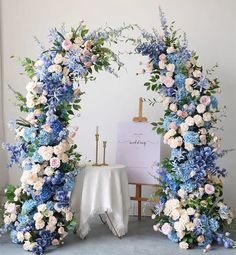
(140, 240)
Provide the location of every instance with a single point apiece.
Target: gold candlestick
(97, 139)
(104, 153)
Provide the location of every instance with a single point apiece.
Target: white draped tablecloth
(100, 189)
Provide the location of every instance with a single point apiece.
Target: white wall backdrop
(3, 171)
(211, 30)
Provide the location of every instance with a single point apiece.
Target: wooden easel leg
(138, 196)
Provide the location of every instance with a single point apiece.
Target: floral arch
(191, 210)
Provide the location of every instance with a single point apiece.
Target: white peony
(182, 193)
(51, 227)
(203, 131)
(61, 231)
(36, 168)
(190, 226)
(183, 245)
(52, 220)
(201, 108)
(180, 234)
(63, 157)
(203, 139)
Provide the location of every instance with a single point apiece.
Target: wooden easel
(138, 193)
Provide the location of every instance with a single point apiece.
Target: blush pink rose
(162, 57)
(169, 82)
(55, 162)
(205, 100)
(173, 125)
(66, 44)
(166, 228)
(209, 189)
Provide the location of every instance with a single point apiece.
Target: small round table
(101, 190)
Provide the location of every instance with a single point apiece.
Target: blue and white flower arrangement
(191, 210)
(38, 212)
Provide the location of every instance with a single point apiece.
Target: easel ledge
(138, 196)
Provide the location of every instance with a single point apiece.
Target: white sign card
(138, 148)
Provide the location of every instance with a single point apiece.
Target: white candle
(97, 130)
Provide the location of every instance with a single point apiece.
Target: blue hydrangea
(13, 236)
(180, 80)
(191, 137)
(173, 237)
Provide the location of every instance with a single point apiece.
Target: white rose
(51, 227)
(182, 193)
(203, 139)
(180, 234)
(203, 131)
(32, 87)
(198, 120)
(162, 65)
(38, 216)
(38, 185)
(61, 231)
(27, 246)
(173, 107)
(52, 220)
(190, 226)
(189, 146)
(191, 211)
(197, 74)
(183, 245)
(183, 127)
(175, 214)
(170, 67)
(27, 235)
(13, 217)
(39, 224)
(58, 58)
(166, 102)
(189, 121)
(170, 49)
(48, 171)
(20, 236)
(179, 226)
(207, 116)
(42, 100)
(195, 93)
(69, 216)
(79, 41)
(189, 81)
(63, 157)
(173, 143)
(45, 152)
(201, 108)
(189, 88)
(42, 208)
(36, 168)
(30, 102)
